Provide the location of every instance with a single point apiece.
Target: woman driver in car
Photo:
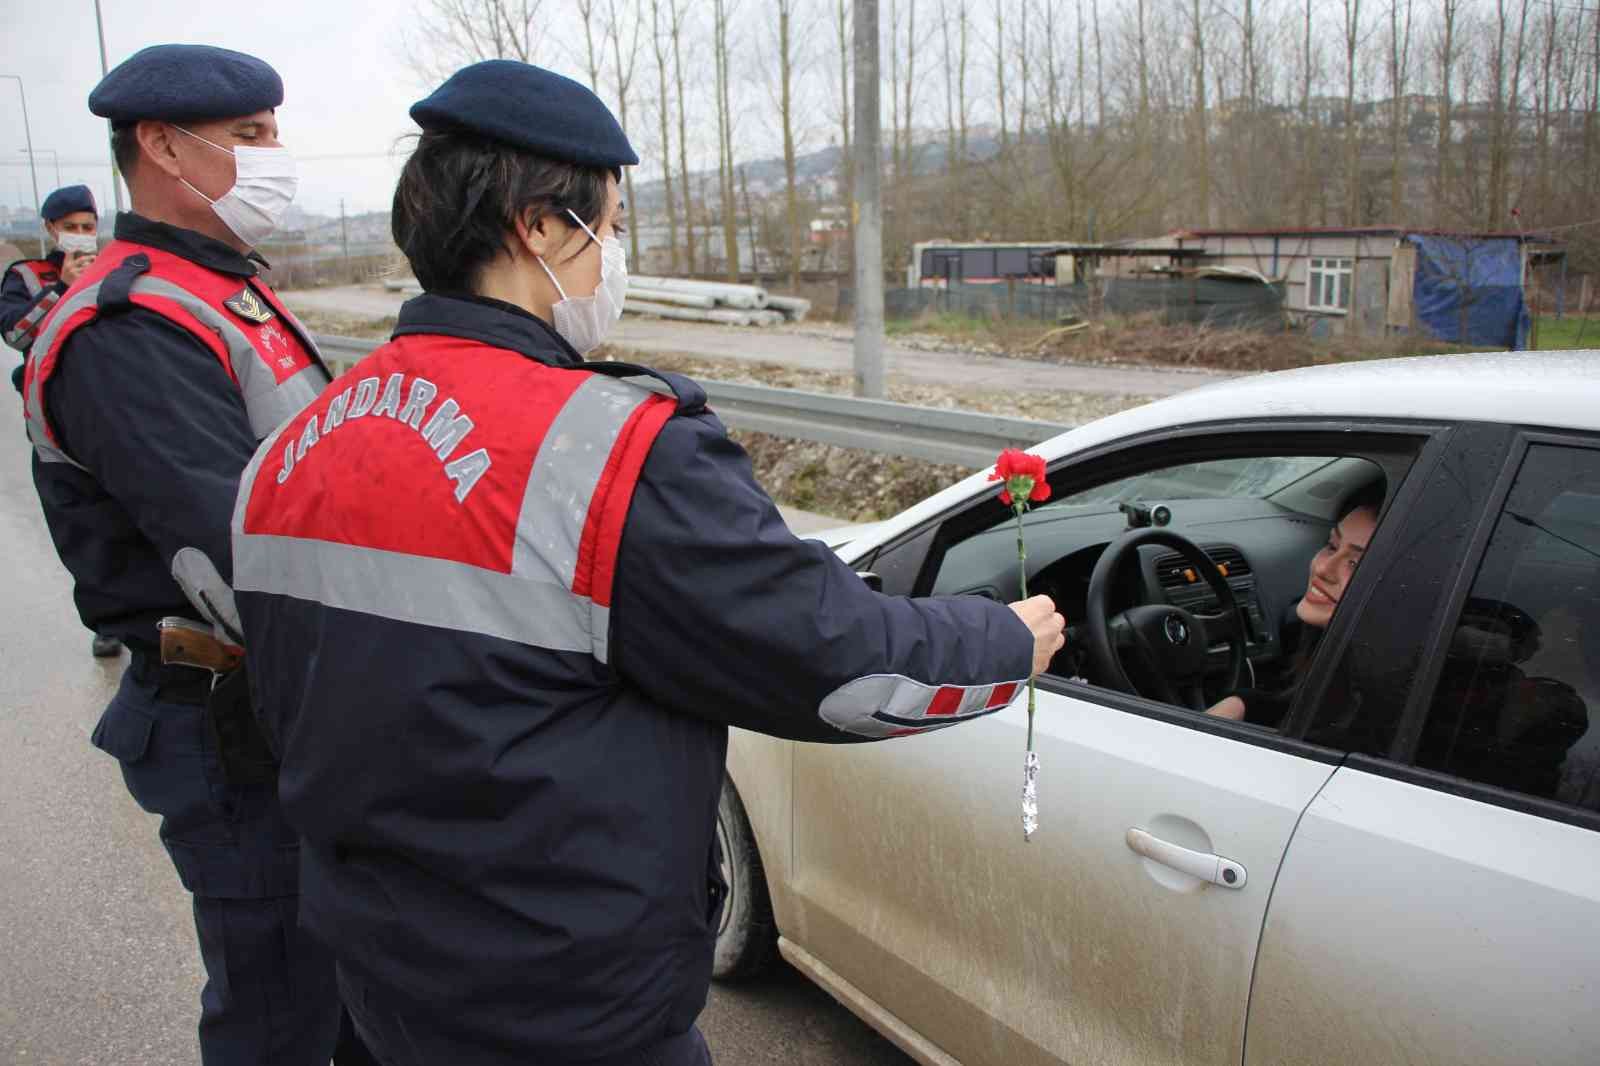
(1331, 570)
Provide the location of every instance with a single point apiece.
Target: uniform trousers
(270, 995)
(392, 1036)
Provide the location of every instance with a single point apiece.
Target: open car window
(1260, 520)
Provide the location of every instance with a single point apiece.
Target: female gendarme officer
(503, 604)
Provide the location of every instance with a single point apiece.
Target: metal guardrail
(964, 438)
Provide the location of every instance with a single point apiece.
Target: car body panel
(912, 880)
(1412, 925)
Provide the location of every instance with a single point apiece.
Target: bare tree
(846, 160)
(450, 34)
(785, 11)
(676, 10)
(1200, 122)
(1450, 12)
(659, 41)
(1352, 130)
(624, 61)
(592, 56)
(1399, 74)
(730, 222)
(1507, 110)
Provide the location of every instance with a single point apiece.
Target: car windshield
(1220, 478)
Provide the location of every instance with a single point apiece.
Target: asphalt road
(816, 351)
(98, 964)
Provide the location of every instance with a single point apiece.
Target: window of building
(1523, 664)
(1328, 284)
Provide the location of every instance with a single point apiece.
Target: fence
(1242, 304)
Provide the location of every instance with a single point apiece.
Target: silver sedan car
(1320, 782)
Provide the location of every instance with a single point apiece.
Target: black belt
(184, 684)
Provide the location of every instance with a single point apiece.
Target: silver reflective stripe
(572, 456)
(247, 481)
(34, 400)
(415, 589)
(883, 704)
(21, 335)
(30, 280)
(268, 403)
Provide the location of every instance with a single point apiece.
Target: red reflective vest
(260, 345)
(479, 490)
(38, 275)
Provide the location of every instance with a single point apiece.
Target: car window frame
(1401, 764)
(1378, 439)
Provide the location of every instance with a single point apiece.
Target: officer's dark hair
(125, 146)
(460, 195)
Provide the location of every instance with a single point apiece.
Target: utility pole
(27, 132)
(116, 185)
(344, 239)
(866, 207)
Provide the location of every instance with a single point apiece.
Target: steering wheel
(1170, 642)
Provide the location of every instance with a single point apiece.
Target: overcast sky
(346, 90)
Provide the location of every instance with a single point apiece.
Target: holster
(247, 752)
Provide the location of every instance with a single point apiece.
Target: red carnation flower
(1023, 475)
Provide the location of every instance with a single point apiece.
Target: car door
(913, 882)
(1440, 900)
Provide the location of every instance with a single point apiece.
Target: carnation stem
(1022, 567)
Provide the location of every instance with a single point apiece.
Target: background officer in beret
(32, 286)
(503, 604)
(147, 389)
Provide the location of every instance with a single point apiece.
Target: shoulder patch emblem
(245, 304)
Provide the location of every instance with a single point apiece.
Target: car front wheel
(747, 937)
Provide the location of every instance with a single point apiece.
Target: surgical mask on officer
(264, 184)
(77, 243)
(584, 321)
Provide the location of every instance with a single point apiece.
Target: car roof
(1556, 389)
(1545, 388)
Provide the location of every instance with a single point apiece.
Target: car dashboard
(1264, 549)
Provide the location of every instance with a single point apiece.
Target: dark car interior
(1258, 522)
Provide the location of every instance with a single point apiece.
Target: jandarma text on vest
(443, 431)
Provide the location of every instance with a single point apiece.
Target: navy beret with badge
(531, 108)
(183, 82)
(66, 201)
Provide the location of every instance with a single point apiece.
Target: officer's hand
(1038, 613)
(74, 265)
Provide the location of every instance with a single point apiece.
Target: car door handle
(1205, 866)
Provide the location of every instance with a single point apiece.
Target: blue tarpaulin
(1469, 290)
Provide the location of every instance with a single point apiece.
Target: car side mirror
(874, 581)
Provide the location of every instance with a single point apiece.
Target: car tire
(747, 937)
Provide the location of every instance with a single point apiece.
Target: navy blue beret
(528, 107)
(174, 82)
(67, 200)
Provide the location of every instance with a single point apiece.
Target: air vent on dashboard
(1174, 571)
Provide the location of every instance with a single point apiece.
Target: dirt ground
(1147, 341)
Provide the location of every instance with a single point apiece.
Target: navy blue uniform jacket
(507, 815)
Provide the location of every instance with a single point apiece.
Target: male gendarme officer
(503, 604)
(148, 387)
(32, 286)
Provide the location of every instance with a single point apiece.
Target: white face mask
(265, 180)
(584, 321)
(77, 243)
